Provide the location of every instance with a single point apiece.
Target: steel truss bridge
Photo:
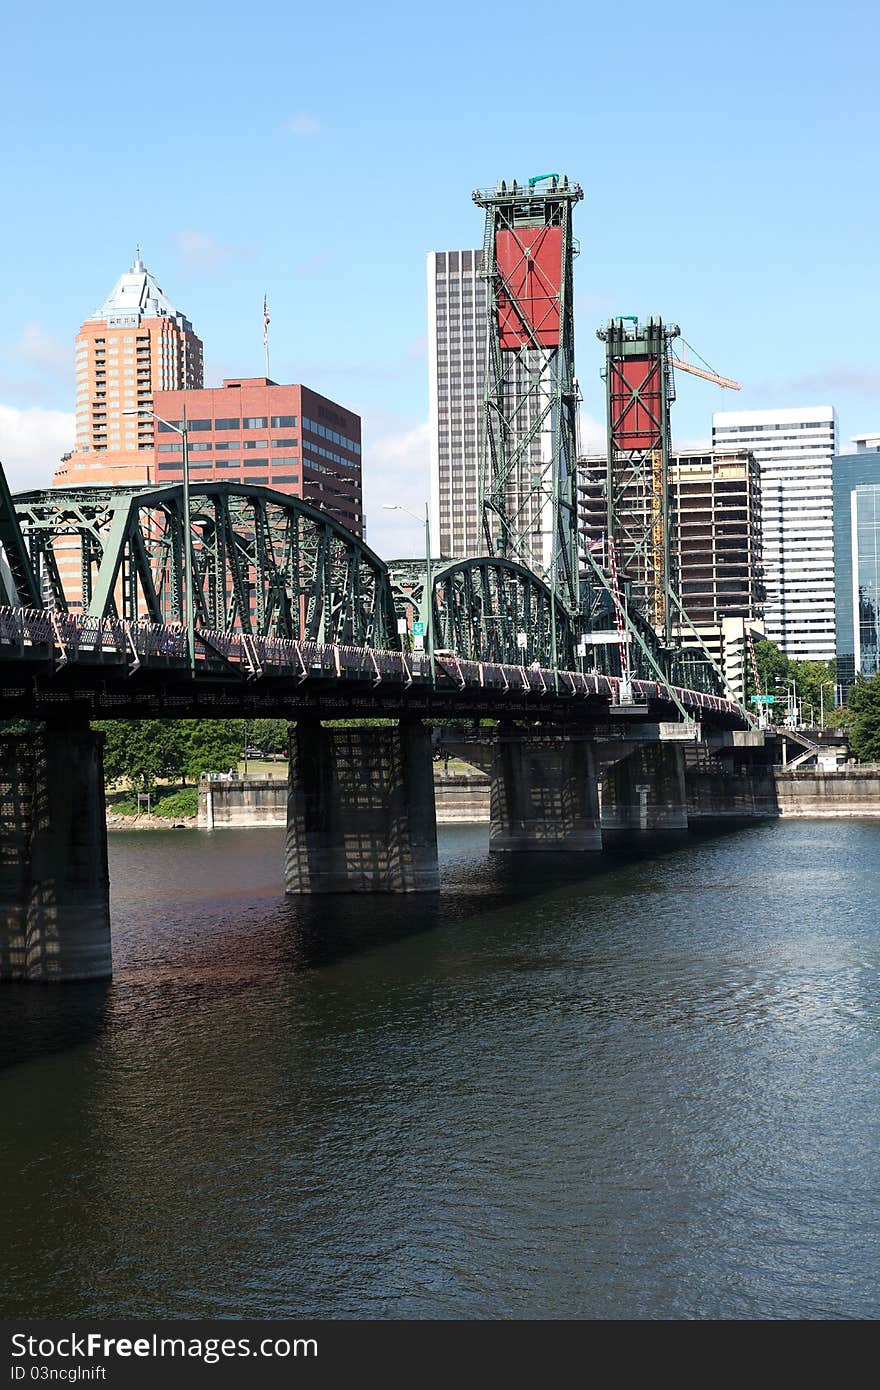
(292, 612)
(57, 666)
(283, 597)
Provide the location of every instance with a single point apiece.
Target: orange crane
(681, 364)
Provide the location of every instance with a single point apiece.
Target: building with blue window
(856, 481)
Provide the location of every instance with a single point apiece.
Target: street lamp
(429, 596)
(187, 533)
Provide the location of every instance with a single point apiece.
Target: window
(198, 424)
(254, 422)
(171, 425)
(228, 444)
(255, 444)
(286, 478)
(284, 422)
(227, 424)
(284, 443)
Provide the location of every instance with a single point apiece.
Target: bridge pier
(360, 810)
(644, 792)
(54, 881)
(544, 793)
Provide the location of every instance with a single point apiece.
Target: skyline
(751, 225)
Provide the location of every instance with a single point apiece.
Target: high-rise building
(794, 449)
(857, 561)
(715, 545)
(456, 374)
(137, 343)
(457, 341)
(250, 429)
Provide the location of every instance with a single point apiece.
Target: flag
(265, 322)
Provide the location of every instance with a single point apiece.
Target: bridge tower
(640, 387)
(528, 445)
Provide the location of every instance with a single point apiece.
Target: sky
(727, 155)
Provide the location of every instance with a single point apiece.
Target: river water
(639, 1087)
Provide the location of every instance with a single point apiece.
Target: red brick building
(283, 437)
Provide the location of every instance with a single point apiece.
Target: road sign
(418, 629)
(763, 699)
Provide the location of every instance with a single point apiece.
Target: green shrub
(180, 803)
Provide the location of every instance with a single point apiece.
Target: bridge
(296, 618)
(215, 599)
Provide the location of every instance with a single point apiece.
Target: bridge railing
(60, 638)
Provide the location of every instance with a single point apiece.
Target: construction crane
(681, 364)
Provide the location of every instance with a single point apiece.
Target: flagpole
(266, 331)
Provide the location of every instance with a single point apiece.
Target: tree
(813, 681)
(211, 745)
(268, 734)
(864, 700)
(139, 751)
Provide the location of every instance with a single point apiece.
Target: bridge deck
(55, 665)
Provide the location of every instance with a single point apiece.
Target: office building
(136, 344)
(457, 329)
(252, 430)
(794, 449)
(857, 561)
(715, 546)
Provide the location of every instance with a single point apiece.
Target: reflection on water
(633, 1087)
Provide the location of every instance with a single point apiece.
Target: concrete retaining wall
(254, 801)
(851, 791)
(462, 799)
(242, 802)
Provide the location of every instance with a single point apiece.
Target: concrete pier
(645, 793)
(544, 793)
(360, 810)
(54, 882)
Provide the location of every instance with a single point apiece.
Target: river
(641, 1087)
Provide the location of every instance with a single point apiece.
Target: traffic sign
(418, 629)
(763, 699)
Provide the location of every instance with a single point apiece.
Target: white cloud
(396, 472)
(824, 385)
(592, 435)
(202, 253)
(31, 444)
(303, 124)
(44, 351)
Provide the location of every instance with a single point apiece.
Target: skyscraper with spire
(135, 344)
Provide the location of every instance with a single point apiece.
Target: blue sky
(727, 155)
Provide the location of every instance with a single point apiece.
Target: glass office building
(857, 561)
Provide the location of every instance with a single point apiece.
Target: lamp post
(187, 532)
(429, 595)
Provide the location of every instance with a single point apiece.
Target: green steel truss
(528, 446)
(265, 563)
(486, 610)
